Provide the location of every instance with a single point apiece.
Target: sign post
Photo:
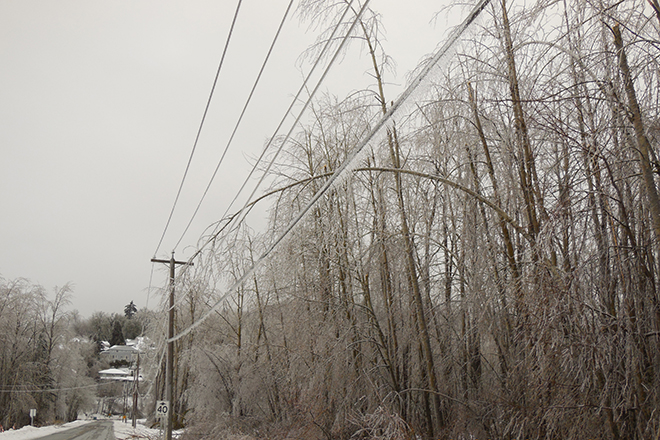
(33, 414)
(162, 409)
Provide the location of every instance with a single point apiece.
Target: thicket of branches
(50, 355)
(490, 270)
(42, 365)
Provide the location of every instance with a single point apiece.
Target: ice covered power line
(201, 125)
(52, 390)
(329, 41)
(353, 157)
(240, 215)
(238, 122)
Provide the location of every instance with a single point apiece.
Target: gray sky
(100, 101)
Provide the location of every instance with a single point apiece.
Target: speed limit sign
(162, 408)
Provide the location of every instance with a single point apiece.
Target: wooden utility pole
(169, 372)
(136, 391)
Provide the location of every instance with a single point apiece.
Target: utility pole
(136, 391)
(169, 373)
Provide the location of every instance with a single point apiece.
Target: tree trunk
(643, 146)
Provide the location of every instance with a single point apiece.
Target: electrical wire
(199, 130)
(346, 165)
(238, 122)
(155, 366)
(201, 125)
(242, 213)
(250, 271)
(51, 390)
(151, 277)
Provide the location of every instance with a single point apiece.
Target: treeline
(490, 271)
(43, 365)
(113, 328)
(49, 355)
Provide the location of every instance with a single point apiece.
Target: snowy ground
(28, 432)
(123, 431)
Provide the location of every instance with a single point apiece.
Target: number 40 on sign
(162, 408)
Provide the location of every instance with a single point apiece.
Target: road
(100, 430)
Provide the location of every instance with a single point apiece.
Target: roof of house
(116, 372)
(121, 348)
(119, 374)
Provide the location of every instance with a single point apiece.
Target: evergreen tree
(130, 310)
(117, 334)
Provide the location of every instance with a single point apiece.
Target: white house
(115, 353)
(119, 374)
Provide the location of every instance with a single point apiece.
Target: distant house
(142, 343)
(127, 353)
(118, 374)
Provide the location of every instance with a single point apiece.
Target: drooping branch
(503, 214)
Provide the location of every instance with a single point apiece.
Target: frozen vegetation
(487, 267)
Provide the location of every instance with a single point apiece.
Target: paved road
(99, 430)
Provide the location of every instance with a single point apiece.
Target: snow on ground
(123, 431)
(30, 432)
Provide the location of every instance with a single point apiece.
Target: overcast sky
(100, 101)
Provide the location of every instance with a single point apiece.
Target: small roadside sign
(162, 408)
(33, 414)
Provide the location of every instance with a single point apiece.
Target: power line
(238, 122)
(249, 272)
(242, 213)
(352, 157)
(51, 390)
(201, 125)
(151, 277)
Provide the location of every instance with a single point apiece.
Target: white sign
(33, 413)
(162, 408)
